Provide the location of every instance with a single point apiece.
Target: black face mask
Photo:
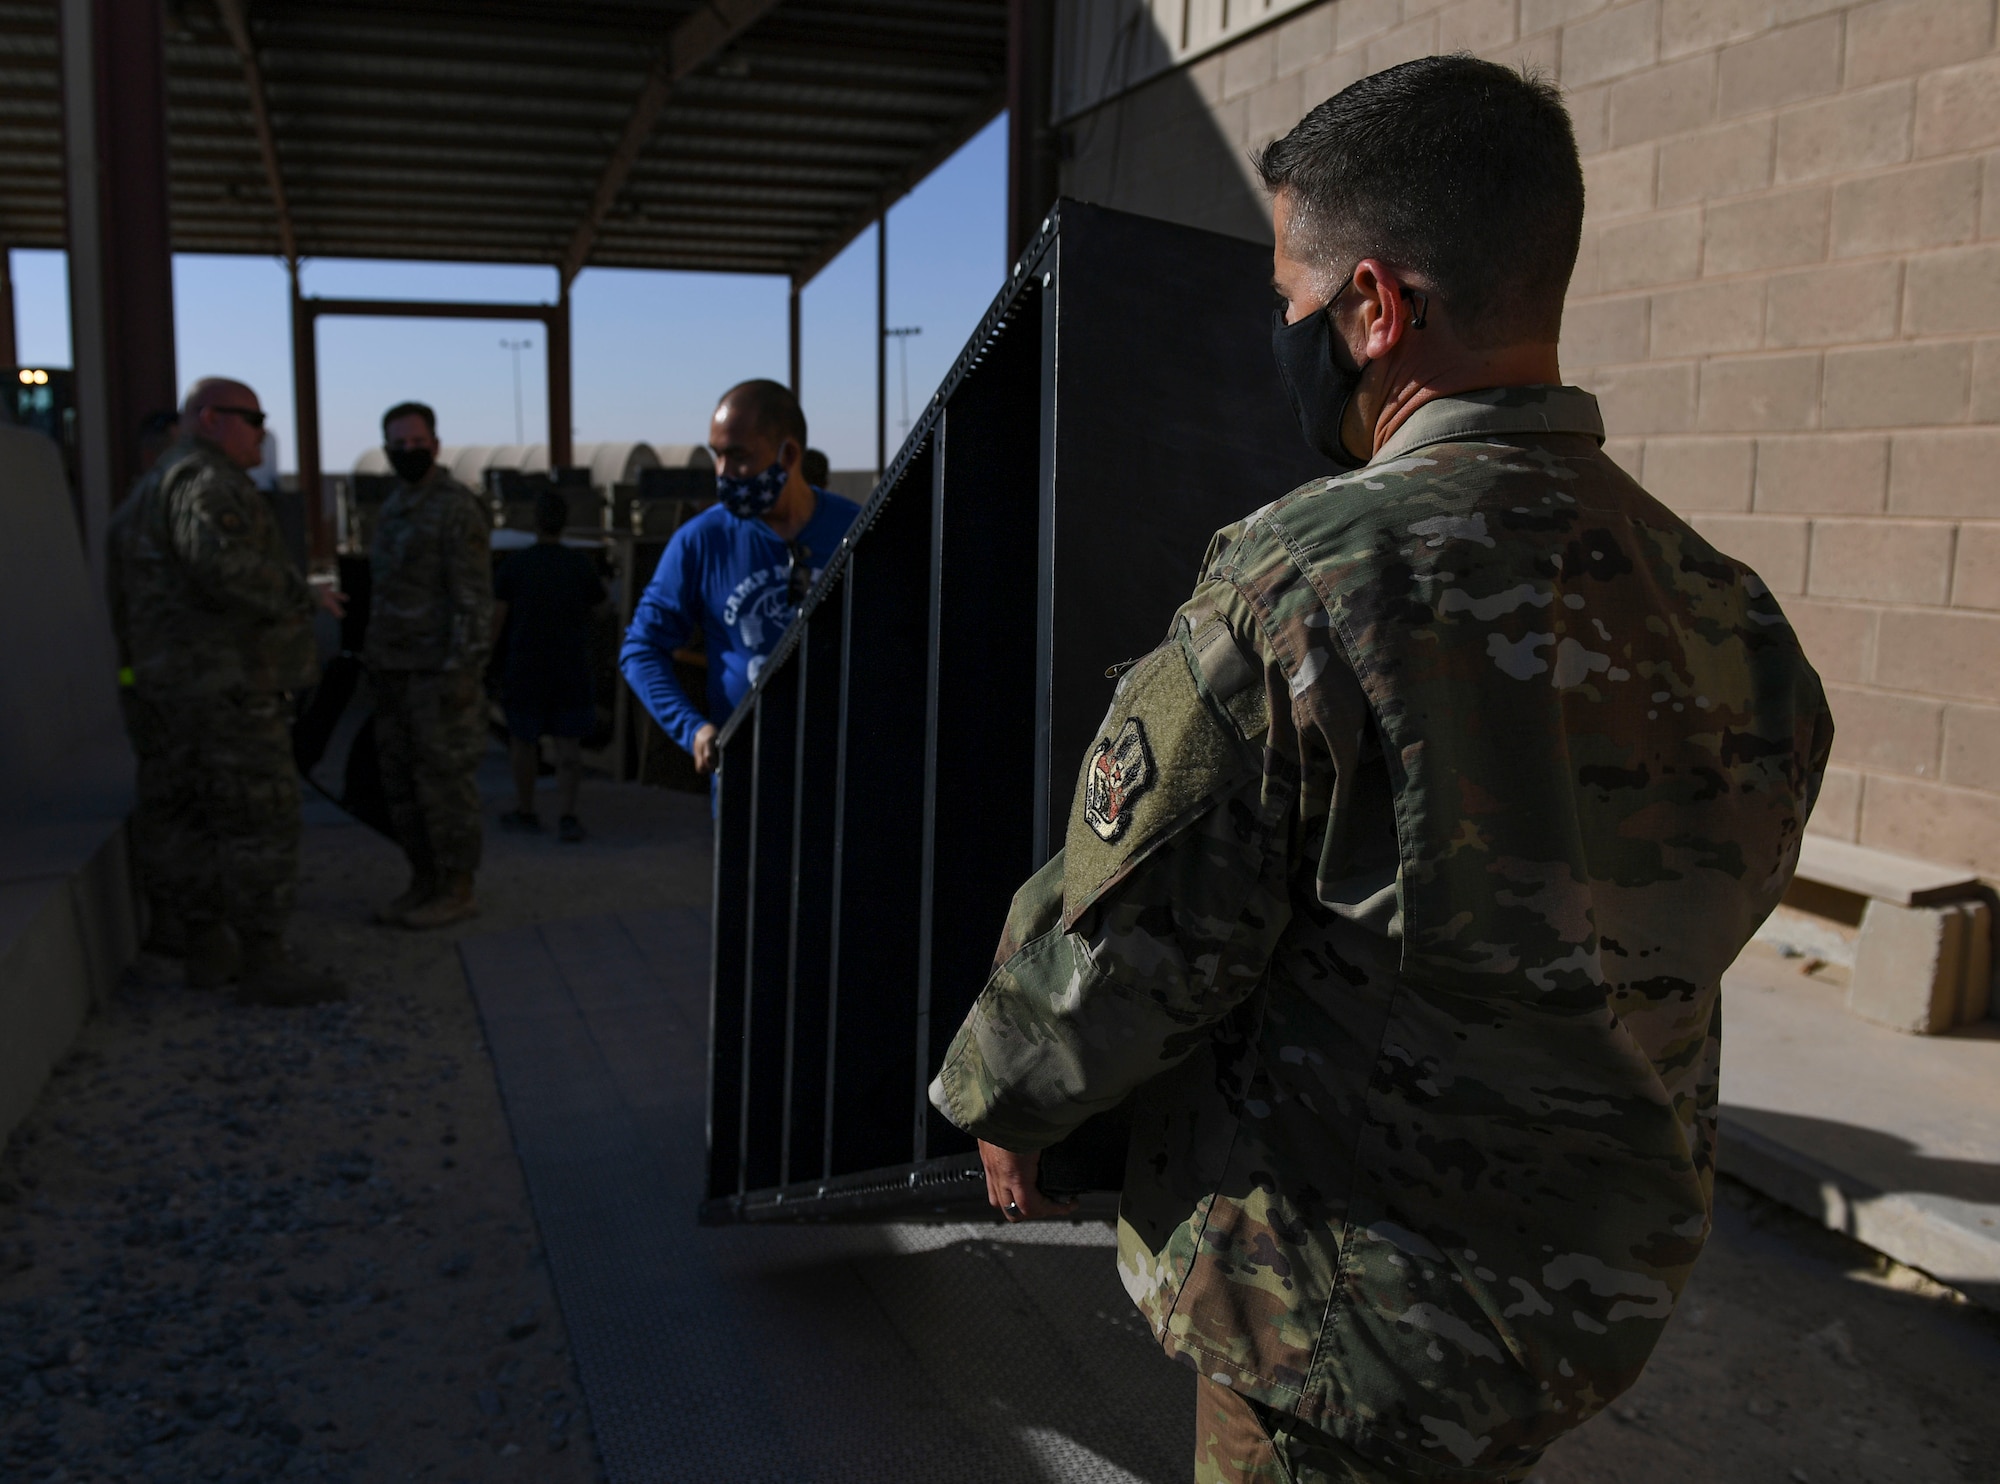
(1319, 385)
(410, 464)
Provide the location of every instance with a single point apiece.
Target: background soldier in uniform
(1401, 878)
(217, 625)
(429, 631)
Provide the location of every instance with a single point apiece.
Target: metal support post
(305, 423)
(120, 258)
(10, 347)
(792, 323)
(557, 340)
(882, 343)
(1033, 176)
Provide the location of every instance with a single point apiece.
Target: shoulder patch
(1120, 771)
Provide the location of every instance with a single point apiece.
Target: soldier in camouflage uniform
(216, 624)
(429, 630)
(1400, 880)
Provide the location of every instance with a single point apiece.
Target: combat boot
(271, 978)
(453, 903)
(423, 886)
(211, 958)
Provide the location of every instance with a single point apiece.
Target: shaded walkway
(974, 1353)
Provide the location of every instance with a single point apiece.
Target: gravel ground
(249, 1245)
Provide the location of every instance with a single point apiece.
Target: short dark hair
(410, 409)
(1459, 170)
(551, 513)
(816, 468)
(772, 408)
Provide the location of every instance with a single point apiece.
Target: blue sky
(651, 350)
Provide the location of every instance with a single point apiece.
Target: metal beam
(10, 353)
(882, 342)
(234, 22)
(792, 333)
(1032, 171)
(121, 282)
(900, 185)
(556, 339)
(693, 42)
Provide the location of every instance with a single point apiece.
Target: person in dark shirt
(544, 597)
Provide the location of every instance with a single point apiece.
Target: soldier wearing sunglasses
(216, 622)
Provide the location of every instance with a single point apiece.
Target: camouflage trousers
(430, 731)
(216, 831)
(1239, 1441)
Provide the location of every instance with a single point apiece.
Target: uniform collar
(1469, 416)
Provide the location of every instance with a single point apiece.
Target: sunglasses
(798, 573)
(249, 414)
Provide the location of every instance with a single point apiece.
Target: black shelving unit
(907, 756)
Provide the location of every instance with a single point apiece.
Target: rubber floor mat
(972, 1353)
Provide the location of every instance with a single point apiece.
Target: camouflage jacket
(431, 578)
(1395, 896)
(204, 596)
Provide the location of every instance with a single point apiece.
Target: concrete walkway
(1890, 1138)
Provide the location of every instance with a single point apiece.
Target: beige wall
(1788, 300)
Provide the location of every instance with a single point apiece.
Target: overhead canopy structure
(735, 136)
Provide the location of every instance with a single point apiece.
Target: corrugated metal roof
(479, 129)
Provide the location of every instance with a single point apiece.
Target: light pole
(902, 338)
(517, 346)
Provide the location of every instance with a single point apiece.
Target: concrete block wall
(1788, 301)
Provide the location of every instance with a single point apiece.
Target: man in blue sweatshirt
(738, 571)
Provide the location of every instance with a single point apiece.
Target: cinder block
(1248, 64)
(1611, 45)
(1975, 573)
(1882, 561)
(1833, 306)
(1954, 291)
(1946, 471)
(1954, 825)
(1475, 25)
(1900, 38)
(1784, 67)
(1673, 99)
(1619, 183)
(1544, 15)
(1584, 277)
(1329, 75)
(1652, 250)
(1275, 107)
(1710, 474)
(1537, 54)
(1759, 394)
(1897, 386)
(1877, 731)
(1940, 653)
(1989, 199)
(1778, 230)
(1303, 40)
(1590, 119)
(1404, 44)
(1912, 207)
(1839, 638)
(1696, 25)
(1638, 400)
(1626, 453)
(1986, 381)
(1773, 547)
(1959, 108)
(1837, 811)
(1912, 964)
(1709, 318)
(1972, 747)
(1604, 332)
(1855, 131)
(1355, 21)
(1722, 162)
(1822, 474)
